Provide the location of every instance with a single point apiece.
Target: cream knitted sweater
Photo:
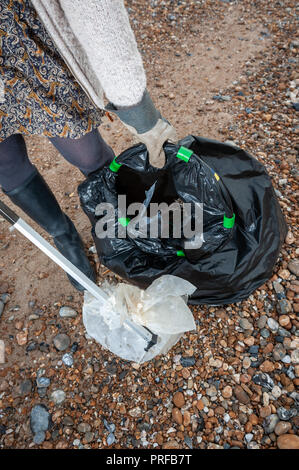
(99, 47)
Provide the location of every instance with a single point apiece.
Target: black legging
(88, 153)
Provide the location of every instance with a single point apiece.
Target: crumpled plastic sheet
(161, 308)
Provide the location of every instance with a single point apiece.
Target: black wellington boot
(36, 199)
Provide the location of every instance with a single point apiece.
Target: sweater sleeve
(103, 29)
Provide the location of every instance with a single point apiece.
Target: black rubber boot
(36, 199)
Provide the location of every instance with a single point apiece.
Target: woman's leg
(26, 188)
(15, 167)
(88, 153)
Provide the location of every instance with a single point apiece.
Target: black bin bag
(243, 226)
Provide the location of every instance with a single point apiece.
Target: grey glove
(145, 122)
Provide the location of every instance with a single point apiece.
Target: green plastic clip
(180, 253)
(124, 221)
(184, 154)
(229, 222)
(114, 166)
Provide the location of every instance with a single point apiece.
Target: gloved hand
(145, 122)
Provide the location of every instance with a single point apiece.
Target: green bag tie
(229, 222)
(124, 221)
(114, 166)
(184, 154)
(180, 253)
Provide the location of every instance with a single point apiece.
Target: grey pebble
(283, 332)
(283, 306)
(25, 387)
(286, 415)
(108, 426)
(39, 419)
(61, 341)
(110, 439)
(273, 324)
(261, 323)
(67, 312)
(1, 307)
(264, 380)
(58, 396)
(293, 266)
(287, 359)
(269, 423)
(278, 352)
(265, 333)
(43, 382)
(39, 437)
(187, 361)
(84, 427)
(245, 324)
(67, 359)
(42, 392)
(89, 436)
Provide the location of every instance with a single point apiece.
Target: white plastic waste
(161, 308)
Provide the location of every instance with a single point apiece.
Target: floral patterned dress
(38, 94)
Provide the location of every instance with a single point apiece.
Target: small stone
(270, 422)
(1, 307)
(25, 388)
(187, 361)
(42, 392)
(248, 437)
(61, 341)
(39, 419)
(211, 391)
(273, 324)
(135, 412)
(177, 416)
(284, 274)
(67, 312)
(278, 352)
(110, 439)
(282, 428)
(295, 356)
(186, 418)
(286, 415)
(109, 426)
(245, 324)
(283, 333)
(276, 391)
(39, 437)
(278, 287)
(265, 333)
(178, 399)
(293, 266)
(241, 395)
(265, 411)
(58, 396)
(267, 366)
(32, 346)
(88, 437)
(286, 359)
(283, 307)
(43, 382)
(2, 352)
(246, 362)
(261, 323)
(68, 359)
(227, 392)
(22, 338)
(288, 441)
(217, 363)
(83, 428)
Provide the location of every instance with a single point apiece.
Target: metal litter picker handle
(26, 230)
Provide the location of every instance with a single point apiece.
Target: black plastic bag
(243, 226)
